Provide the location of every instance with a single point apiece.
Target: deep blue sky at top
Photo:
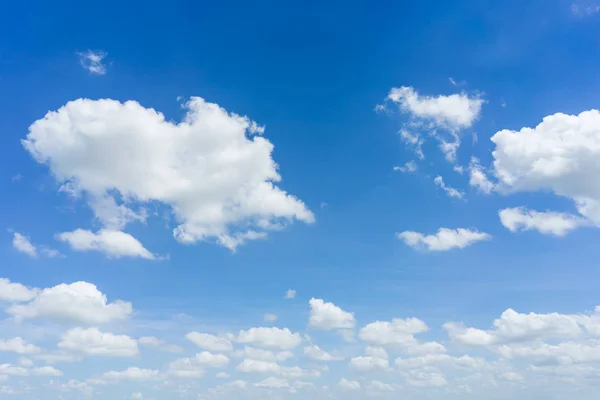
(312, 72)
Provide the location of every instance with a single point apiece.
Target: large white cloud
(94, 342)
(444, 239)
(79, 302)
(218, 180)
(558, 155)
(276, 338)
(113, 243)
(15, 292)
(327, 316)
(546, 222)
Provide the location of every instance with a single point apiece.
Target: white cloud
(222, 375)
(137, 396)
(450, 191)
(427, 379)
(559, 155)
(409, 167)
(444, 239)
(548, 222)
(379, 352)
(398, 332)
(269, 317)
(466, 362)
(368, 363)
(414, 140)
(348, 384)
(93, 61)
(455, 111)
(131, 374)
(565, 353)
(328, 316)
(93, 342)
(290, 294)
(192, 367)
(19, 346)
(11, 370)
(378, 386)
(15, 292)
(115, 244)
(250, 366)
(270, 337)
(273, 383)
(263, 355)
(219, 182)
(23, 244)
(514, 327)
(314, 352)
(79, 302)
(46, 371)
(478, 178)
(26, 362)
(151, 341)
(209, 342)
(581, 10)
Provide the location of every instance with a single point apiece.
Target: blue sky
(286, 157)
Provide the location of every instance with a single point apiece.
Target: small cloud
(290, 294)
(17, 177)
(92, 61)
(450, 191)
(409, 167)
(457, 83)
(581, 10)
(270, 317)
(379, 108)
(323, 205)
(503, 104)
(23, 244)
(475, 138)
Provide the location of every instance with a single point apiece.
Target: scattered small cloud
(290, 294)
(409, 167)
(457, 83)
(93, 61)
(17, 178)
(584, 10)
(450, 191)
(270, 317)
(444, 239)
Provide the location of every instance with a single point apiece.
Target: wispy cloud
(93, 61)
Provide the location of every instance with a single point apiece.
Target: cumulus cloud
(314, 352)
(269, 367)
(444, 239)
(328, 316)
(151, 341)
(270, 337)
(348, 384)
(454, 111)
(398, 332)
(114, 244)
(93, 61)
(133, 374)
(15, 292)
(79, 302)
(558, 155)
(546, 222)
(192, 367)
(209, 342)
(254, 353)
(94, 342)
(368, 363)
(216, 175)
(19, 346)
(478, 178)
(450, 191)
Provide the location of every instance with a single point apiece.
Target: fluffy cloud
(348, 384)
(218, 179)
(151, 341)
(368, 363)
(444, 239)
(79, 302)
(273, 383)
(466, 361)
(478, 178)
(11, 370)
(268, 367)
(565, 353)
(263, 355)
(314, 352)
(514, 327)
(191, 367)
(93, 342)
(270, 337)
(548, 222)
(93, 61)
(398, 332)
(24, 245)
(455, 111)
(328, 316)
(450, 191)
(559, 155)
(131, 374)
(15, 292)
(413, 140)
(19, 346)
(209, 342)
(113, 243)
